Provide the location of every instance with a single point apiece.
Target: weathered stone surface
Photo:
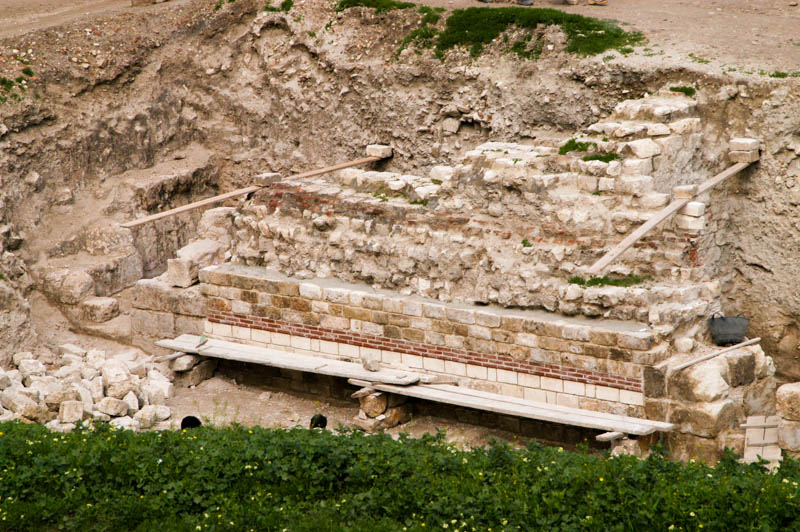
(743, 144)
(99, 309)
(789, 435)
(374, 404)
(157, 294)
(707, 381)
(742, 367)
(70, 411)
(743, 156)
(201, 372)
(70, 287)
(125, 423)
(185, 363)
(379, 150)
(642, 148)
(787, 401)
(22, 355)
(57, 426)
(112, 406)
(655, 382)
(117, 380)
(704, 419)
(759, 397)
(31, 367)
(5, 380)
(15, 400)
(132, 401)
(149, 415)
(183, 271)
(156, 389)
(71, 349)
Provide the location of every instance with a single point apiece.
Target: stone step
(93, 275)
(660, 108)
(624, 130)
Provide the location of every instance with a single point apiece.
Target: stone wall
(586, 364)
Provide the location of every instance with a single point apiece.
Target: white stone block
(642, 148)
(455, 368)
(391, 357)
(693, 208)
(606, 184)
(565, 399)
(433, 364)
(657, 128)
(512, 390)
(532, 394)
(282, 339)
(267, 178)
(69, 349)
(125, 423)
(310, 291)
(574, 388)
(744, 144)
(604, 393)
(349, 351)
(654, 200)
(743, 156)
(476, 372)
(328, 347)
(30, 368)
(689, 223)
(551, 384)
(635, 185)
(506, 376)
(637, 167)
(412, 361)
(379, 150)
(631, 398)
(132, 401)
(529, 381)
(262, 337)
(112, 406)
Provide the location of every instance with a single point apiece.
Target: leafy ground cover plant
(604, 157)
(574, 145)
(380, 6)
(241, 478)
(688, 91)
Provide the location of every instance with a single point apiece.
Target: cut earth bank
(153, 108)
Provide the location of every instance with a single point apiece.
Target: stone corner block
(744, 156)
(744, 144)
(379, 150)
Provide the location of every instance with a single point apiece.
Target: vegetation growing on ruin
(243, 478)
(688, 91)
(574, 145)
(604, 157)
(628, 280)
(380, 6)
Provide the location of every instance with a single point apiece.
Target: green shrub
(526, 243)
(688, 91)
(780, 75)
(241, 479)
(605, 157)
(574, 145)
(475, 27)
(380, 6)
(28, 71)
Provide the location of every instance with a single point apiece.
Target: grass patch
(698, 59)
(422, 202)
(476, 27)
(430, 15)
(574, 145)
(380, 6)
(221, 3)
(604, 157)
(779, 75)
(628, 280)
(688, 91)
(28, 71)
(526, 243)
(422, 37)
(6, 84)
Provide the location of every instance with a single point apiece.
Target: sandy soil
(732, 34)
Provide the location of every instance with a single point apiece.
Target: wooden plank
(243, 191)
(540, 411)
(659, 217)
(287, 360)
(715, 354)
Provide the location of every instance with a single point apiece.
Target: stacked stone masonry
(533, 355)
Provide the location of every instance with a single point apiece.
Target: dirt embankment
(291, 91)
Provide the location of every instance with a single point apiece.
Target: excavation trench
(241, 92)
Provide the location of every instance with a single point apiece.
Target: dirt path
(732, 34)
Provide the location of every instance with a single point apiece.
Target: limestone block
(744, 144)
(655, 382)
(426, 192)
(789, 435)
(642, 148)
(55, 393)
(654, 200)
(370, 359)
(684, 344)
(156, 391)
(451, 125)
(117, 380)
(112, 406)
(787, 401)
(379, 150)
(759, 397)
(75, 287)
(22, 355)
(30, 367)
(684, 192)
(689, 223)
(132, 401)
(98, 309)
(657, 129)
(152, 323)
(637, 166)
(635, 185)
(151, 414)
(125, 423)
(201, 372)
(183, 271)
(765, 366)
(57, 426)
(742, 365)
(70, 411)
(185, 363)
(84, 395)
(15, 400)
(71, 349)
(706, 381)
(614, 169)
(693, 208)
(374, 404)
(5, 380)
(704, 419)
(72, 360)
(14, 375)
(95, 387)
(441, 173)
(137, 367)
(685, 125)
(69, 373)
(743, 156)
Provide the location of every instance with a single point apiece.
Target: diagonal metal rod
(246, 190)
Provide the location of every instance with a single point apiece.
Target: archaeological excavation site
(252, 213)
